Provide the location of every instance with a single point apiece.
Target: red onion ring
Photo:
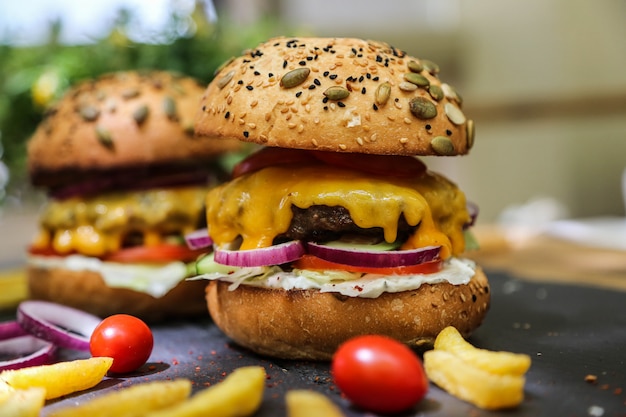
(11, 329)
(472, 209)
(64, 326)
(31, 350)
(374, 258)
(198, 239)
(273, 255)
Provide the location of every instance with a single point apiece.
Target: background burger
(334, 228)
(126, 179)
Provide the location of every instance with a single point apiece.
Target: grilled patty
(325, 223)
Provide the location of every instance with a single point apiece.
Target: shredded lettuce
(156, 280)
(471, 243)
(456, 271)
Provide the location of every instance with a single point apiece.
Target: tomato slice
(159, 253)
(315, 263)
(393, 165)
(47, 251)
(270, 156)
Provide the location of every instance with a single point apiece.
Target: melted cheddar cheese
(99, 225)
(257, 207)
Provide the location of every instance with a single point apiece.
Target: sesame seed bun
(87, 290)
(121, 120)
(335, 94)
(308, 324)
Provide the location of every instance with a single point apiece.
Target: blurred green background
(544, 80)
(32, 77)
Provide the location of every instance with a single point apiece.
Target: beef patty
(326, 223)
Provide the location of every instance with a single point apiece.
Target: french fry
(239, 395)
(501, 363)
(309, 403)
(487, 379)
(134, 401)
(22, 402)
(5, 390)
(472, 384)
(61, 378)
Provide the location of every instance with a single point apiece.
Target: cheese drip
(257, 206)
(98, 225)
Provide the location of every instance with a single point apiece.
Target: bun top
(335, 94)
(121, 120)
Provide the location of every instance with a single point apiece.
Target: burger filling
(102, 225)
(259, 207)
(133, 239)
(314, 201)
(457, 271)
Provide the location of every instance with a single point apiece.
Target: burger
(334, 227)
(126, 180)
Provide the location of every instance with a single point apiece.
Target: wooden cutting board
(544, 258)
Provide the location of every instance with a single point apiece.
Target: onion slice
(198, 239)
(64, 326)
(273, 255)
(28, 350)
(11, 329)
(374, 258)
(472, 209)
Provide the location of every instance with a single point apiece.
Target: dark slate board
(569, 331)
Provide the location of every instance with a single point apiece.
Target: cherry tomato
(379, 374)
(127, 339)
(159, 253)
(315, 263)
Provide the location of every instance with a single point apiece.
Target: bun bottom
(307, 324)
(87, 291)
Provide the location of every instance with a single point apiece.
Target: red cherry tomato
(379, 374)
(127, 339)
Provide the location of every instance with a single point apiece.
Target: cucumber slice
(363, 245)
(207, 265)
(471, 243)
